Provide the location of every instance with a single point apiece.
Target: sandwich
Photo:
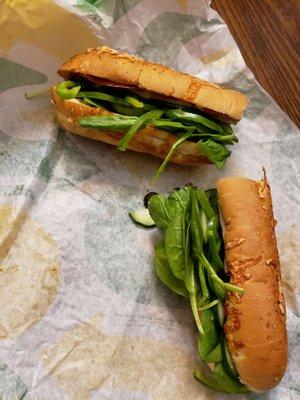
(233, 285)
(135, 104)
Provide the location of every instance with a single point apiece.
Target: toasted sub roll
(107, 65)
(255, 328)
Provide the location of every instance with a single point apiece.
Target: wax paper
(82, 314)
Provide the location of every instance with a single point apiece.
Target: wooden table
(268, 35)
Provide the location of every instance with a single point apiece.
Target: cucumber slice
(142, 217)
(219, 291)
(229, 365)
(220, 309)
(208, 341)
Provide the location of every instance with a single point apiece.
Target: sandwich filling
(130, 110)
(189, 259)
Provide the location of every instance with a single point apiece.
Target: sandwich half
(233, 284)
(135, 104)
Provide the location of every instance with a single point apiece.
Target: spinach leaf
(191, 282)
(226, 128)
(210, 339)
(212, 196)
(192, 287)
(203, 305)
(230, 384)
(170, 155)
(217, 289)
(202, 279)
(158, 207)
(198, 237)
(205, 204)
(215, 152)
(164, 272)
(215, 355)
(139, 124)
(196, 228)
(215, 222)
(175, 245)
(201, 130)
(214, 277)
(169, 125)
(179, 200)
(214, 245)
(225, 139)
(187, 252)
(209, 381)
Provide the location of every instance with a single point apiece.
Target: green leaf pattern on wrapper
(11, 385)
(170, 28)
(13, 75)
(114, 8)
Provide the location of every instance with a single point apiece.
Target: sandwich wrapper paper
(82, 314)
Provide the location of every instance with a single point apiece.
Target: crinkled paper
(82, 314)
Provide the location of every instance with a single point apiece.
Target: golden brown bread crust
(105, 63)
(255, 327)
(149, 140)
